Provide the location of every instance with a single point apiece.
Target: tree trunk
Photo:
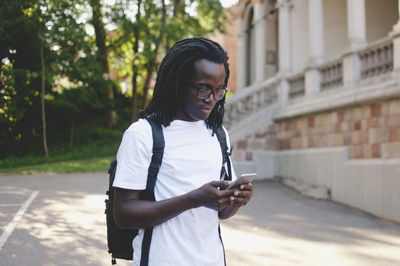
(136, 33)
(149, 71)
(101, 45)
(176, 12)
(1, 78)
(152, 62)
(71, 133)
(46, 152)
(134, 95)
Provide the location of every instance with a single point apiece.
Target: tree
(152, 54)
(97, 21)
(155, 26)
(44, 128)
(53, 70)
(47, 33)
(135, 70)
(20, 57)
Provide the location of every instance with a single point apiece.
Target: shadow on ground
(281, 227)
(65, 225)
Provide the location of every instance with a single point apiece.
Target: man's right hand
(212, 195)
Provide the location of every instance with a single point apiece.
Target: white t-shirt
(192, 157)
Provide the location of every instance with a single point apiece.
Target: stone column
(395, 34)
(283, 92)
(351, 70)
(312, 79)
(259, 9)
(285, 36)
(356, 28)
(316, 33)
(316, 52)
(356, 33)
(285, 48)
(241, 54)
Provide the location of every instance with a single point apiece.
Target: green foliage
(89, 143)
(75, 90)
(72, 73)
(153, 33)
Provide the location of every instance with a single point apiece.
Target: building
(318, 98)
(228, 40)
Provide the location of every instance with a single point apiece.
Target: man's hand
(243, 194)
(212, 195)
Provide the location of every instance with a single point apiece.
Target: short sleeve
(134, 156)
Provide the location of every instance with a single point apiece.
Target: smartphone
(243, 179)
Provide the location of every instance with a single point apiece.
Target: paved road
(59, 220)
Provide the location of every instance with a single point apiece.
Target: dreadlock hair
(175, 69)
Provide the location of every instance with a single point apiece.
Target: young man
(188, 102)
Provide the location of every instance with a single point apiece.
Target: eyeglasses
(205, 92)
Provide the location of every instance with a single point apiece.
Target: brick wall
(371, 131)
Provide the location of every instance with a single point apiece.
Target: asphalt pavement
(59, 220)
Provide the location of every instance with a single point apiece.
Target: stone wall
(370, 131)
(350, 155)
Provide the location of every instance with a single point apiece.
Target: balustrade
(296, 86)
(331, 74)
(250, 102)
(377, 59)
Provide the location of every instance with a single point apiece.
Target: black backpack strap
(222, 242)
(225, 154)
(226, 176)
(156, 159)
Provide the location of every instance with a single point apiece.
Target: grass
(86, 165)
(90, 144)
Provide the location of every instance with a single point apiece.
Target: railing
(377, 58)
(296, 86)
(331, 74)
(250, 100)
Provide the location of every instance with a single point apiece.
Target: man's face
(207, 75)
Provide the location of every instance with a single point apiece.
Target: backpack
(120, 240)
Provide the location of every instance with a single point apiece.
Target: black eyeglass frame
(211, 90)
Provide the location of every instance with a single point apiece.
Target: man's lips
(205, 108)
